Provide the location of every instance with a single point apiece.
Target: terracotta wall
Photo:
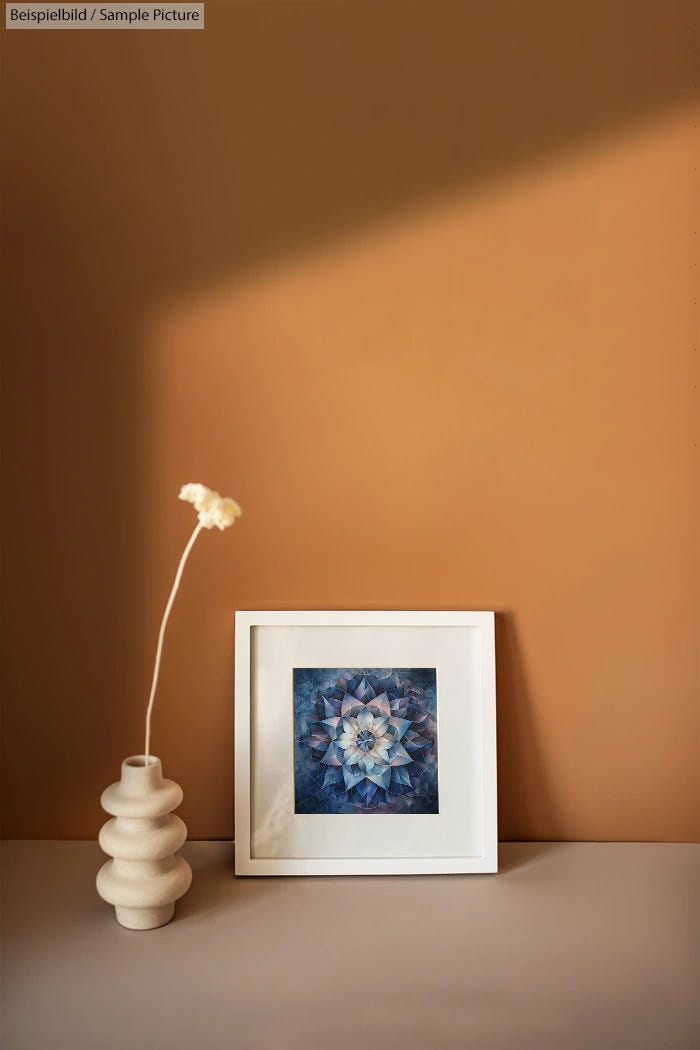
(414, 282)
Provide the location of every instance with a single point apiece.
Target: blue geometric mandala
(365, 740)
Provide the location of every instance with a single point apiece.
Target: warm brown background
(414, 282)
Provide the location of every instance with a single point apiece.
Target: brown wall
(414, 282)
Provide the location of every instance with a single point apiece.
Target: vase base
(145, 918)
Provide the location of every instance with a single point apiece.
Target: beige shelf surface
(573, 946)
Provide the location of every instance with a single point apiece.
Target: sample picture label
(104, 16)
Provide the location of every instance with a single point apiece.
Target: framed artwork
(365, 743)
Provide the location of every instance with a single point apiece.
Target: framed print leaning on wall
(365, 743)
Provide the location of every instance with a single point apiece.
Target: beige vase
(145, 876)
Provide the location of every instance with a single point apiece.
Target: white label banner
(104, 16)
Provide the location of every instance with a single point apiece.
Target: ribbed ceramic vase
(145, 876)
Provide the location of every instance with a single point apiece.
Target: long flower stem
(161, 635)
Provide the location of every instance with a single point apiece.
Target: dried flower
(213, 510)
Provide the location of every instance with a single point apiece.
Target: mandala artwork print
(365, 740)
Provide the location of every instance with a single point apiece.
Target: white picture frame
(280, 656)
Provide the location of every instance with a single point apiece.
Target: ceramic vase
(145, 876)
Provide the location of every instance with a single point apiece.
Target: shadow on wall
(147, 166)
(525, 796)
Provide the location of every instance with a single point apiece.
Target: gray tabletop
(573, 946)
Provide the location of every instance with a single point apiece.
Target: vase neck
(138, 777)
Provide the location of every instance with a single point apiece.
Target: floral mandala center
(365, 740)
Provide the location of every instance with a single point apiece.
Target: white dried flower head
(213, 509)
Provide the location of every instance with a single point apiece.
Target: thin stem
(161, 635)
